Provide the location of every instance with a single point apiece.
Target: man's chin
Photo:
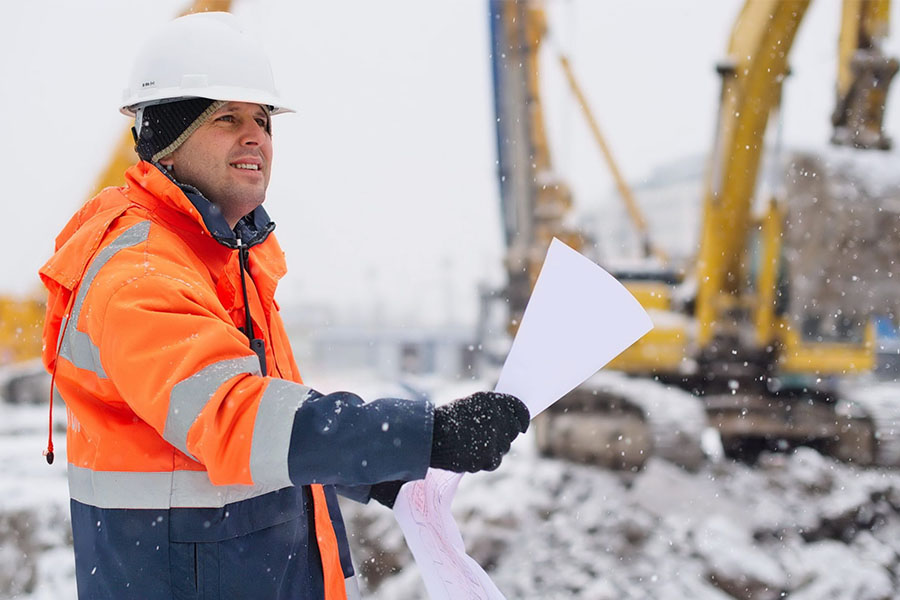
(250, 203)
(242, 193)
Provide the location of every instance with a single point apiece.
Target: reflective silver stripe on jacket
(352, 588)
(174, 489)
(188, 397)
(272, 431)
(77, 346)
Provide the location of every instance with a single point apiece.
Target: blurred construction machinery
(745, 329)
(21, 320)
(21, 372)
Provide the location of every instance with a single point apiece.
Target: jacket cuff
(337, 439)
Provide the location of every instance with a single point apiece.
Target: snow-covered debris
(547, 529)
(838, 574)
(812, 470)
(801, 523)
(18, 570)
(670, 493)
(735, 564)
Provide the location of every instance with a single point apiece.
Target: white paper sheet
(577, 319)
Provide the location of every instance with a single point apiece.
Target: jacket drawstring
(48, 453)
(257, 345)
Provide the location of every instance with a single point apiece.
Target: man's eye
(261, 122)
(226, 118)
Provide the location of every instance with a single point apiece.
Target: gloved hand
(473, 434)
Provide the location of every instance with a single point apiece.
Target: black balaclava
(164, 127)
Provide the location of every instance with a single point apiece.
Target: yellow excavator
(741, 346)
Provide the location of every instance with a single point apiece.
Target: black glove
(473, 434)
(386, 492)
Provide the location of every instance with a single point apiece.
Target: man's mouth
(247, 166)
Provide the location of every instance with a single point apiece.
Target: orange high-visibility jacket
(190, 462)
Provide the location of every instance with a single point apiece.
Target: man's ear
(167, 161)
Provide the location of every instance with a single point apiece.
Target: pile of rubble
(799, 526)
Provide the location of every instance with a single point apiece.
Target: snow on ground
(36, 561)
(798, 526)
(802, 525)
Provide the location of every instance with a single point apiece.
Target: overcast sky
(384, 187)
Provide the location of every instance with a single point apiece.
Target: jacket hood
(75, 245)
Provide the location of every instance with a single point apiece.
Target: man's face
(228, 158)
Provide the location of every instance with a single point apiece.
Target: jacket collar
(253, 229)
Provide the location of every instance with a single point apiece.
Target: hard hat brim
(227, 94)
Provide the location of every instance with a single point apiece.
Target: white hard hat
(205, 55)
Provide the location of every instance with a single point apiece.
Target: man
(199, 464)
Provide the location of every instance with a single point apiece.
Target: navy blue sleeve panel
(337, 439)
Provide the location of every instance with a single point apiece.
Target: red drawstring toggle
(48, 453)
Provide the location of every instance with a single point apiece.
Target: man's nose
(252, 134)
